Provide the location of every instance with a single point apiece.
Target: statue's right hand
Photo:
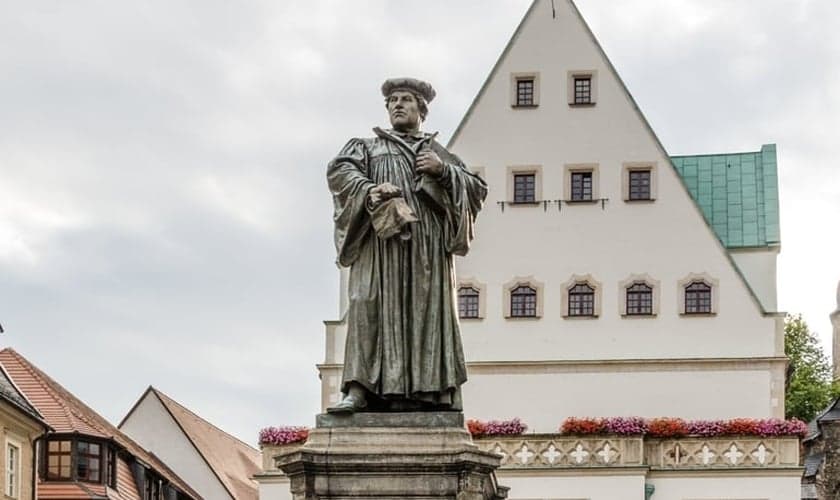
(382, 192)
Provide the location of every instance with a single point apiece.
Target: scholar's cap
(413, 85)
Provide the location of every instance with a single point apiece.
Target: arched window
(581, 300)
(523, 302)
(639, 299)
(698, 298)
(468, 302)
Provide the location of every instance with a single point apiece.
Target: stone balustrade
(541, 451)
(555, 451)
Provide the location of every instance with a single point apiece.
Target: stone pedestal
(366, 456)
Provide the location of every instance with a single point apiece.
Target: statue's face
(404, 111)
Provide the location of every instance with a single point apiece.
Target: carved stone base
(418, 455)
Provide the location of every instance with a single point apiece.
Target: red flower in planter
(476, 427)
(741, 426)
(586, 425)
(667, 427)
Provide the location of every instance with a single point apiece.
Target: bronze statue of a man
(404, 205)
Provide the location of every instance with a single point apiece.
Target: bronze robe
(403, 341)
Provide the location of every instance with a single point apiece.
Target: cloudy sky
(164, 218)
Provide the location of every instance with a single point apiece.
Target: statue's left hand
(428, 162)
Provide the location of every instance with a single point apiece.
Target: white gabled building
(609, 278)
(608, 362)
(216, 464)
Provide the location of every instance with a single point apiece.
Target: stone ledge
(431, 419)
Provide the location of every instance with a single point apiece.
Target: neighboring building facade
(821, 449)
(216, 464)
(84, 456)
(21, 425)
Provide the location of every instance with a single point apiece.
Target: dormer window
(80, 459)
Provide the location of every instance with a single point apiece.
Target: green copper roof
(738, 194)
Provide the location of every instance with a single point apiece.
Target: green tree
(810, 388)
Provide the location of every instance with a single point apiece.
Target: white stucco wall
(591, 487)
(274, 489)
(154, 429)
(543, 401)
(716, 487)
(759, 268)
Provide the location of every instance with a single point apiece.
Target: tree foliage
(810, 388)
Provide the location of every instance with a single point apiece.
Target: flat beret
(411, 84)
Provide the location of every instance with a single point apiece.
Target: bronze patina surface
(404, 205)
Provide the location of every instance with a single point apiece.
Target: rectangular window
(698, 298)
(581, 300)
(525, 92)
(583, 90)
(523, 302)
(468, 302)
(639, 300)
(154, 487)
(524, 188)
(639, 184)
(88, 462)
(111, 468)
(59, 456)
(581, 186)
(12, 470)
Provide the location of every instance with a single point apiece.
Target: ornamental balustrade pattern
(540, 451)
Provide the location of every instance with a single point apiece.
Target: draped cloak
(403, 340)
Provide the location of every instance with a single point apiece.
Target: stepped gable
(65, 413)
(231, 460)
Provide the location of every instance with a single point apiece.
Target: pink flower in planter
(705, 428)
(624, 425)
(513, 427)
(283, 435)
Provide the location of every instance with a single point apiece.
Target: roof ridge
(39, 378)
(165, 398)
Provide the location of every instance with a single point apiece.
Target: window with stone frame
(581, 300)
(583, 90)
(639, 187)
(698, 298)
(639, 298)
(525, 89)
(523, 302)
(524, 188)
(468, 303)
(581, 186)
(12, 470)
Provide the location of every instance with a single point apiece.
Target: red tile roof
(233, 461)
(65, 413)
(70, 491)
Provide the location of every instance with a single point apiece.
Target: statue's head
(407, 101)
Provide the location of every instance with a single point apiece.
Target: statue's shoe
(349, 404)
